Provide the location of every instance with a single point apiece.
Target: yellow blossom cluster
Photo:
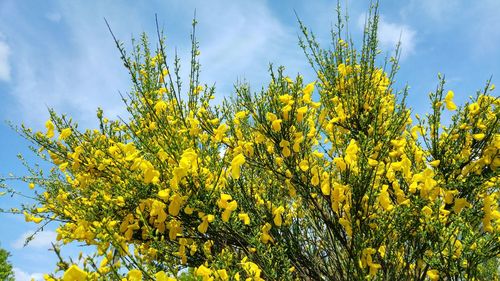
(324, 180)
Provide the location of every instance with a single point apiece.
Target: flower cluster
(325, 180)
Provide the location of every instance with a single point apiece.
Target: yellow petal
(309, 88)
(433, 274)
(304, 165)
(435, 163)
(450, 105)
(65, 133)
(478, 137)
(74, 273)
(236, 164)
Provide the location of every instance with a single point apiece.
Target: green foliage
(6, 272)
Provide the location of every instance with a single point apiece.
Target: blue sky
(60, 54)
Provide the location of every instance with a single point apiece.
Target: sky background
(60, 54)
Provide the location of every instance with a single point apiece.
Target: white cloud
(54, 17)
(42, 240)
(390, 34)
(73, 69)
(20, 275)
(79, 70)
(484, 28)
(4, 60)
(437, 10)
(242, 41)
(237, 40)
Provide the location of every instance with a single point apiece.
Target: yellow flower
(381, 251)
(435, 163)
(372, 162)
(473, 108)
(222, 274)
(231, 206)
(276, 125)
(28, 217)
(175, 205)
(351, 152)
(265, 237)
(197, 90)
(374, 267)
(134, 275)
(164, 194)
(236, 164)
(31, 185)
(325, 187)
(318, 154)
(245, 218)
(384, 199)
(162, 276)
(277, 215)
(285, 98)
(203, 271)
(160, 107)
(251, 269)
(286, 151)
(271, 116)
(286, 109)
(367, 260)
(65, 133)
(220, 132)
(158, 211)
(433, 274)
(286, 147)
(74, 273)
(315, 180)
(450, 105)
(50, 129)
(238, 116)
(347, 226)
(343, 69)
(188, 210)
(427, 211)
(478, 137)
(340, 163)
(203, 227)
(309, 88)
(174, 229)
(415, 130)
(304, 165)
(223, 201)
(460, 203)
(300, 113)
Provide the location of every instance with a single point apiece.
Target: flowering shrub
(329, 179)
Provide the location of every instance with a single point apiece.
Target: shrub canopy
(330, 179)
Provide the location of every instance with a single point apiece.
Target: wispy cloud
(4, 60)
(80, 71)
(439, 11)
(74, 67)
(390, 34)
(255, 38)
(53, 16)
(21, 275)
(484, 33)
(42, 240)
